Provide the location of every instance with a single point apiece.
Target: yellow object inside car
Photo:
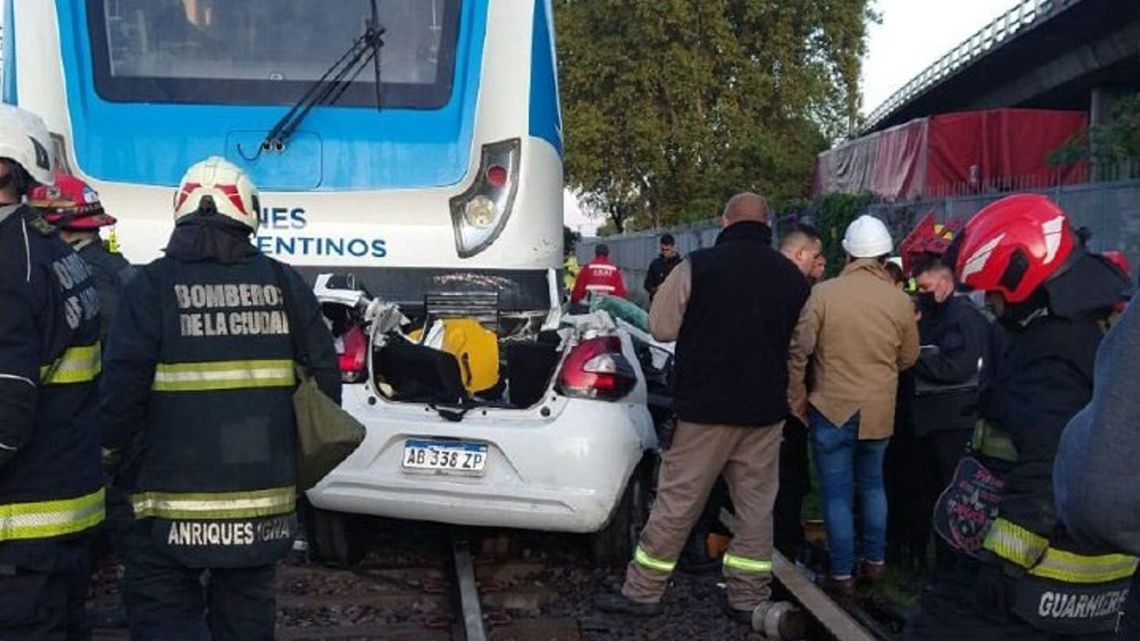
(474, 346)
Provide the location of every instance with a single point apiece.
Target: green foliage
(671, 106)
(1105, 145)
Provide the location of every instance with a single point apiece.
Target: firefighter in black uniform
(51, 488)
(197, 391)
(1018, 574)
(73, 207)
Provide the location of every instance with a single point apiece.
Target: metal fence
(633, 252)
(1110, 210)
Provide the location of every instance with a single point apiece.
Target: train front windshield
(260, 52)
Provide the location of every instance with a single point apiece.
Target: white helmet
(222, 187)
(24, 139)
(867, 237)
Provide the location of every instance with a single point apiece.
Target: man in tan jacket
(857, 331)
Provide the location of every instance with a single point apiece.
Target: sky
(916, 33)
(913, 35)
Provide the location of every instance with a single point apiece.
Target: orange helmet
(70, 204)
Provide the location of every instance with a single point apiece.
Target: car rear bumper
(564, 472)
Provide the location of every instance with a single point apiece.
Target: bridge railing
(1026, 14)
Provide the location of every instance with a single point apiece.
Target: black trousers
(950, 611)
(1130, 624)
(917, 470)
(795, 484)
(43, 588)
(167, 601)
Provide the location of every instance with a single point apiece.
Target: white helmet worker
(215, 185)
(867, 237)
(24, 141)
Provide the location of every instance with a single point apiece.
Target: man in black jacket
(197, 391)
(1018, 573)
(954, 335)
(803, 246)
(51, 490)
(732, 309)
(661, 266)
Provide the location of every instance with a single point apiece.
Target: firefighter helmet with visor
(216, 185)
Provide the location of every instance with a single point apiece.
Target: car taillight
(595, 368)
(353, 355)
(480, 213)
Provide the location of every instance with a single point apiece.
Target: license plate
(447, 457)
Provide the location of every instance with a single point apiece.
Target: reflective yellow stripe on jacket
(214, 505)
(1032, 552)
(47, 519)
(76, 365)
(223, 375)
(993, 442)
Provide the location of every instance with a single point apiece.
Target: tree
(1113, 147)
(671, 106)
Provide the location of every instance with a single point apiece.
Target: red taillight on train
(596, 368)
(353, 355)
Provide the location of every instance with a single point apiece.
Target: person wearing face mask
(1017, 572)
(954, 335)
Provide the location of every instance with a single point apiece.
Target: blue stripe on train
(360, 148)
(545, 117)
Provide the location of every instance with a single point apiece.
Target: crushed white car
(564, 440)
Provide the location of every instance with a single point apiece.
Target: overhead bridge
(1047, 54)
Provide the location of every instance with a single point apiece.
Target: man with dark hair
(661, 266)
(599, 276)
(803, 246)
(941, 403)
(954, 335)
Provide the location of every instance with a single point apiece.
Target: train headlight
(480, 213)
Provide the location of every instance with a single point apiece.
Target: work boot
(618, 603)
(739, 616)
(843, 589)
(874, 573)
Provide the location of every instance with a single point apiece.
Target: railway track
(454, 585)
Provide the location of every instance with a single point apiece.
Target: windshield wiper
(328, 89)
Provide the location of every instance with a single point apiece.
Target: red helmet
(70, 204)
(1014, 246)
(928, 238)
(1117, 257)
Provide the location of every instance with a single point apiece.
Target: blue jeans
(846, 464)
